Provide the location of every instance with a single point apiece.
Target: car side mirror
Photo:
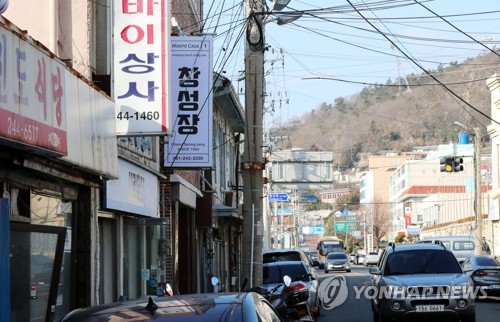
(374, 270)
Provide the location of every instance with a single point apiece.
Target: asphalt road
(357, 308)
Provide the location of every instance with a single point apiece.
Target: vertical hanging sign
(191, 103)
(141, 66)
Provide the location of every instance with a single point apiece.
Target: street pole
(252, 157)
(365, 239)
(478, 250)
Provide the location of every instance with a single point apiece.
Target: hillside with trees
(396, 116)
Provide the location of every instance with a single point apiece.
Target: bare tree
(381, 221)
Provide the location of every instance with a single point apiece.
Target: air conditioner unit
(228, 198)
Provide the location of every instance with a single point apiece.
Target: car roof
(447, 238)
(406, 247)
(206, 306)
(283, 250)
(284, 263)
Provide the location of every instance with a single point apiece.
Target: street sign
(277, 197)
(344, 226)
(352, 218)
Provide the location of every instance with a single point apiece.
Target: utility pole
(252, 157)
(478, 250)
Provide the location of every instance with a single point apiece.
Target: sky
(334, 51)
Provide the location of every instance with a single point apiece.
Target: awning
(226, 212)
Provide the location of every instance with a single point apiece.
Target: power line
(425, 70)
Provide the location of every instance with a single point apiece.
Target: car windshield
(275, 273)
(421, 261)
(486, 261)
(281, 257)
(337, 256)
(330, 246)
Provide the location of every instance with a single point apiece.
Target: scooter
(296, 295)
(291, 302)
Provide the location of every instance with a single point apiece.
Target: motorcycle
(291, 303)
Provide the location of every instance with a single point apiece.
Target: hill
(391, 117)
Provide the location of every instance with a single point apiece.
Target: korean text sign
(191, 103)
(140, 66)
(32, 95)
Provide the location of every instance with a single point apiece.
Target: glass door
(36, 254)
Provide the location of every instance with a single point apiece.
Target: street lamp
(280, 5)
(478, 249)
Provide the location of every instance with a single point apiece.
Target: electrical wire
(426, 72)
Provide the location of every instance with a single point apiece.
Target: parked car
(417, 281)
(462, 246)
(286, 254)
(245, 306)
(337, 261)
(371, 259)
(313, 255)
(485, 272)
(273, 274)
(352, 258)
(360, 260)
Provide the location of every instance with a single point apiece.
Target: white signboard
(141, 33)
(135, 191)
(32, 95)
(191, 103)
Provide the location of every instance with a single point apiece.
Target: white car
(371, 259)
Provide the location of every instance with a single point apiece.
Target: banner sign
(191, 103)
(141, 33)
(33, 95)
(413, 230)
(313, 230)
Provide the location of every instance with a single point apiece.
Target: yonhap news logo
(333, 292)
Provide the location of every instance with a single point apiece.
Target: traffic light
(451, 164)
(446, 164)
(458, 164)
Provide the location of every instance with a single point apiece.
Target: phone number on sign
(138, 116)
(188, 158)
(24, 131)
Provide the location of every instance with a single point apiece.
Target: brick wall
(187, 17)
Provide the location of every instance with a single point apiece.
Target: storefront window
(141, 263)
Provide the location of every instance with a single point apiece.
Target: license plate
(494, 286)
(430, 308)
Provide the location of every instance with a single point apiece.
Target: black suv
(286, 254)
(421, 281)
